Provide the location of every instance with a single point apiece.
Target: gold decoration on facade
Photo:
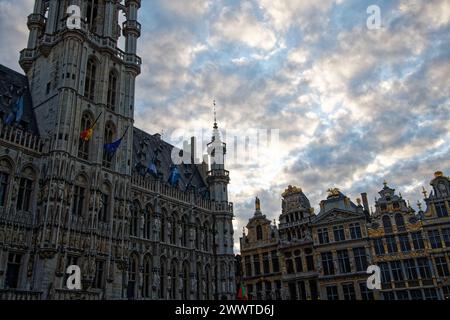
(374, 233)
(291, 190)
(438, 174)
(333, 192)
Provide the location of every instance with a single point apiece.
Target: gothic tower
(79, 79)
(218, 180)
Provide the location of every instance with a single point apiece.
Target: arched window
(207, 281)
(5, 173)
(173, 234)
(146, 289)
(163, 278)
(198, 282)
(185, 233)
(162, 233)
(103, 214)
(132, 275)
(400, 222)
(26, 186)
(79, 196)
(259, 233)
(148, 222)
(112, 90)
(197, 234)
(387, 225)
(89, 83)
(83, 145)
(173, 279)
(206, 236)
(185, 291)
(108, 138)
(134, 222)
(91, 14)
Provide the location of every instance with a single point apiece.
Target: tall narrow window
(89, 83)
(344, 261)
(99, 274)
(112, 90)
(91, 14)
(184, 236)
(104, 211)
(108, 138)
(79, 196)
(400, 222)
(162, 233)
(4, 178)
(173, 234)
(148, 223)
(24, 196)
(327, 263)
(339, 234)
(387, 224)
(132, 272)
(134, 222)
(355, 231)
(13, 270)
(197, 234)
(163, 276)
(185, 291)
(146, 289)
(206, 237)
(83, 145)
(259, 233)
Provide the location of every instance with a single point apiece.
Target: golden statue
(333, 192)
(257, 204)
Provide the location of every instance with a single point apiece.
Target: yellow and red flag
(87, 134)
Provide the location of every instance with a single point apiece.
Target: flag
(174, 176)
(16, 113)
(86, 135)
(111, 148)
(242, 295)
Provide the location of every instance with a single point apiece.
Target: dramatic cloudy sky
(354, 106)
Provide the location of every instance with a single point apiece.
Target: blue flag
(174, 176)
(111, 148)
(16, 113)
(152, 169)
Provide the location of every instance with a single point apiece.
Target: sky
(354, 106)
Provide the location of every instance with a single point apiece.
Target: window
(197, 234)
(378, 245)
(89, 84)
(162, 233)
(108, 138)
(424, 268)
(441, 266)
(430, 294)
(134, 220)
(391, 244)
(402, 295)
(25, 193)
(349, 291)
(173, 232)
(397, 272)
(446, 236)
(366, 294)
(332, 293)
(104, 211)
(339, 234)
(411, 271)
(298, 264)
(416, 294)
(4, 178)
(99, 270)
(388, 295)
(446, 291)
(112, 90)
(360, 258)
(148, 222)
(248, 266)
(417, 240)
(387, 225)
(290, 266)
(435, 239)
(256, 265)
(310, 262)
(13, 270)
(323, 236)
(206, 236)
(404, 243)
(327, 263)
(132, 271)
(301, 290)
(259, 233)
(275, 262)
(146, 288)
(441, 209)
(78, 201)
(91, 14)
(344, 261)
(266, 265)
(400, 222)
(355, 231)
(385, 273)
(163, 276)
(184, 230)
(83, 145)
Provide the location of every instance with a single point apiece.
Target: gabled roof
(338, 207)
(11, 82)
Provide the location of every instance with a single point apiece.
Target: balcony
(131, 26)
(26, 58)
(36, 20)
(21, 138)
(12, 294)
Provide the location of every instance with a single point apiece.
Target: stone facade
(325, 256)
(64, 201)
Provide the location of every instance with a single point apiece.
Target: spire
(215, 115)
